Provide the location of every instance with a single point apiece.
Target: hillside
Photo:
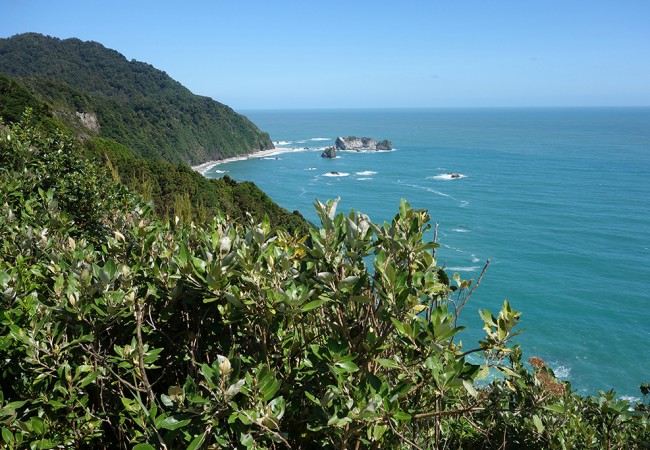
(99, 93)
(174, 189)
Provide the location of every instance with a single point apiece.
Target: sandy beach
(203, 168)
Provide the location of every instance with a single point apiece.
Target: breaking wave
(447, 176)
(336, 174)
(463, 269)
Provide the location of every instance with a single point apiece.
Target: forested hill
(175, 190)
(99, 93)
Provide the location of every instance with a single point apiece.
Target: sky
(266, 54)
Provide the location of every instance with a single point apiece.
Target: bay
(557, 199)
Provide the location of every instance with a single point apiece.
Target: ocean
(557, 199)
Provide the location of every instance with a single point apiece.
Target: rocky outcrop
(384, 145)
(364, 143)
(88, 120)
(330, 152)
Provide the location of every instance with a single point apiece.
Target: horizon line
(340, 108)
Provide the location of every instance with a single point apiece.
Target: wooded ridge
(130, 101)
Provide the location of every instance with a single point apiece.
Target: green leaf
(110, 268)
(235, 388)
(312, 305)
(269, 390)
(348, 282)
(172, 423)
(103, 276)
(167, 401)
(268, 385)
(13, 405)
(196, 442)
(538, 424)
(144, 447)
(58, 284)
(388, 363)
(247, 440)
(37, 425)
(4, 279)
(7, 436)
(348, 366)
(469, 386)
(89, 379)
(183, 254)
(399, 325)
(555, 408)
(483, 372)
(401, 415)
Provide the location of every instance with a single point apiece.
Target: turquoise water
(557, 199)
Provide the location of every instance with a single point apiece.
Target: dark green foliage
(134, 103)
(139, 123)
(174, 186)
(121, 331)
(42, 161)
(15, 99)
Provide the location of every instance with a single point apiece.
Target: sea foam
(447, 176)
(463, 269)
(562, 372)
(336, 174)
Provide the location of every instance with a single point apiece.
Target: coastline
(206, 166)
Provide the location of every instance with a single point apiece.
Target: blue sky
(364, 54)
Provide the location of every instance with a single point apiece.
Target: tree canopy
(134, 103)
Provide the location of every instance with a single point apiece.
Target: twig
(267, 429)
(471, 291)
(435, 239)
(138, 335)
(407, 440)
(152, 398)
(487, 263)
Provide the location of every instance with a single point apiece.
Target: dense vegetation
(174, 189)
(133, 103)
(119, 330)
(177, 190)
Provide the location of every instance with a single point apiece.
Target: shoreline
(206, 166)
